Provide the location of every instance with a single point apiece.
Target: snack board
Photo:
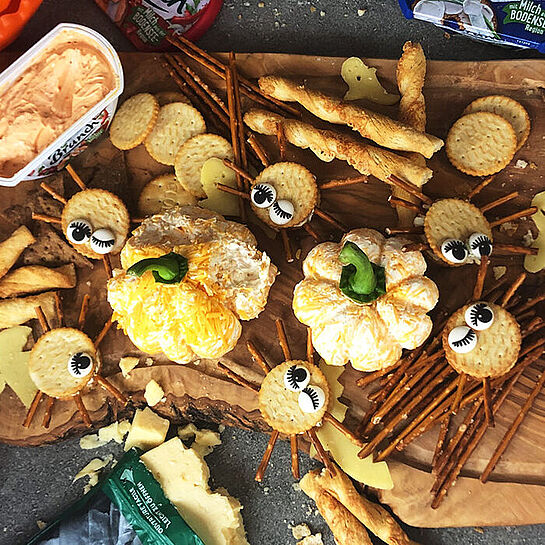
(202, 392)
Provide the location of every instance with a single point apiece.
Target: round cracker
(101, 209)
(166, 97)
(481, 143)
(509, 109)
(48, 361)
(192, 156)
(161, 194)
(497, 347)
(134, 121)
(293, 182)
(280, 406)
(453, 218)
(176, 123)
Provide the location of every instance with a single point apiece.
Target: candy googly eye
(263, 195)
(480, 245)
(102, 241)
(311, 399)
(296, 378)
(462, 339)
(80, 364)
(479, 316)
(281, 212)
(79, 231)
(454, 250)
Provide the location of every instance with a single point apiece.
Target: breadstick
(328, 145)
(373, 516)
(345, 527)
(411, 73)
(377, 127)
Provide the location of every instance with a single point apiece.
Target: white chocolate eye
(263, 195)
(454, 250)
(311, 399)
(281, 212)
(80, 364)
(479, 316)
(102, 241)
(79, 231)
(296, 378)
(462, 339)
(480, 245)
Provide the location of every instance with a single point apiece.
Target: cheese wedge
(147, 431)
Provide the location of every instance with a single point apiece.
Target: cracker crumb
(41, 524)
(528, 239)
(508, 228)
(521, 163)
(418, 221)
(315, 539)
(533, 165)
(301, 531)
(499, 271)
(296, 487)
(312, 9)
(261, 4)
(361, 12)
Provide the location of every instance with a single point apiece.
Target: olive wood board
(516, 494)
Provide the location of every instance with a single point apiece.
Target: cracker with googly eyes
(482, 340)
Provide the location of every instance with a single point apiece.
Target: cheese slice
(183, 475)
(536, 263)
(14, 363)
(215, 172)
(343, 451)
(153, 393)
(147, 430)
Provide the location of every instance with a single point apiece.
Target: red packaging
(146, 23)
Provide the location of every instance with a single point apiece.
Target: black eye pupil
(261, 195)
(459, 252)
(80, 231)
(299, 375)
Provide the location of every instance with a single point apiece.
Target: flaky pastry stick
(345, 527)
(328, 145)
(377, 127)
(373, 516)
(411, 73)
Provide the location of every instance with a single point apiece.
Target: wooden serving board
(199, 392)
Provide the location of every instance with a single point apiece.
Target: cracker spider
(293, 399)
(63, 361)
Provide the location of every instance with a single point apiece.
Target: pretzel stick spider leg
(47, 219)
(266, 456)
(58, 308)
(82, 410)
(32, 409)
(499, 202)
(479, 187)
(258, 357)
(47, 414)
(76, 177)
(109, 387)
(404, 230)
(105, 328)
(341, 183)
(329, 219)
(294, 457)
(512, 289)
(397, 201)
(107, 265)
(487, 397)
(481, 276)
(233, 191)
(83, 311)
(322, 454)
(237, 378)
(282, 339)
(511, 249)
(281, 140)
(517, 215)
(410, 188)
(461, 383)
(328, 417)
(287, 246)
(48, 189)
(310, 230)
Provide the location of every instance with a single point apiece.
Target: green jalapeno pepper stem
(170, 268)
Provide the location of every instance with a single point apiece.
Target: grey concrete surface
(36, 484)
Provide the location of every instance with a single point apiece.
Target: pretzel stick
(237, 378)
(480, 186)
(233, 191)
(310, 230)
(508, 249)
(398, 202)
(530, 348)
(58, 308)
(416, 247)
(103, 332)
(32, 409)
(409, 188)
(322, 454)
(287, 246)
(512, 289)
(53, 193)
(239, 170)
(329, 219)
(76, 177)
(266, 457)
(440, 445)
(535, 323)
(258, 150)
(47, 413)
(238, 111)
(83, 411)
(107, 265)
(481, 276)
(499, 202)
(47, 219)
(218, 68)
(294, 457)
(42, 319)
(517, 215)
(281, 331)
(509, 434)
(83, 311)
(530, 303)
(487, 402)
(462, 379)
(404, 230)
(328, 417)
(109, 387)
(258, 357)
(341, 183)
(281, 141)
(369, 378)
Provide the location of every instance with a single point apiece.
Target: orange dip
(60, 85)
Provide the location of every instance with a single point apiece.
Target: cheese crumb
(127, 364)
(361, 12)
(92, 470)
(148, 430)
(114, 432)
(148, 361)
(322, 13)
(315, 539)
(41, 524)
(153, 393)
(499, 271)
(521, 163)
(300, 531)
(261, 4)
(528, 239)
(204, 440)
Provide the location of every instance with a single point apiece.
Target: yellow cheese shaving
(343, 451)
(535, 263)
(363, 83)
(147, 430)
(14, 363)
(215, 172)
